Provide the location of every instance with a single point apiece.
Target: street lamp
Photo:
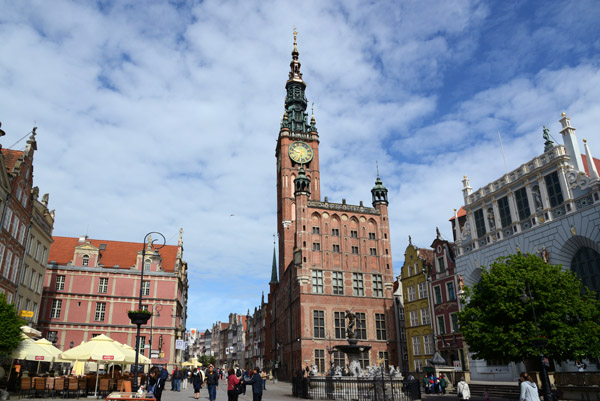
(155, 256)
(540, 343)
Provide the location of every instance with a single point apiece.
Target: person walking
(232, 381)
(177, 376)
(157, 383)
(184, 380)
(462, 388)
(257, 385)
(443, 384)
(197, 381)
(529, 390)
(263, 376)
(212, 382)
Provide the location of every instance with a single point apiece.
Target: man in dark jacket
(257, 385)
(212, 381)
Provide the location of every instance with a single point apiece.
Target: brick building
(91, 284)
(333, 257)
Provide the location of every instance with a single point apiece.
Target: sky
(156, 115)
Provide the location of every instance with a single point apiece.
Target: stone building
(549, 206)
(333, 257)
(418, 263)
(90, 285)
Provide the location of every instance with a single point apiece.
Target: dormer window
(85, 260)
(147, 265)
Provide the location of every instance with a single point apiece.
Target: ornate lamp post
(142, 318)
(540, 343)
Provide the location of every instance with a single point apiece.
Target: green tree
(497, 320)
(10, 323)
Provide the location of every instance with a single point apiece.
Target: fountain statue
(352, 349)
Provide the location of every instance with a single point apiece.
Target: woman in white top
(529, 390)
(463, 389)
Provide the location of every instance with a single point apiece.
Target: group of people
(435, 385)
(237, 380)
(528, 389)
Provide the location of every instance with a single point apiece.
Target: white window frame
(416, 345)
(422, 290)
(55, 309)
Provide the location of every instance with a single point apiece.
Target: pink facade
(90, 285)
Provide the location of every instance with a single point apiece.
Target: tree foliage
(10, 323)
(497, 319)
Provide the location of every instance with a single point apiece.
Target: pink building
(91, 284)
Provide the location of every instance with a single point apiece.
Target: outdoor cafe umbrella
(130, 355)
(99, 349)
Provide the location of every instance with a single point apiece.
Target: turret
(379, 193)
(570, 141)
(302, 183)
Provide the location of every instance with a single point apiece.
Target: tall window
(479, 223)
(437, 292)
(317, 281)
(413, 316)
(386, 358)
(55, 310)
(411, 293)
(355, 250)
(553, 187)
(358, 285)
(361, 326)
(146, 288)
(338, 283)
(320, 359)
(319, 324)
(504, 210)
(416, 344)
(371, 235)
(316, 230)
(85, 260)
(454, 320)
(316, 246)
(425, 318)
(363, 359)
(24, 276)
(418, 365)
(428, 345)
(339, 318)
(377, 285)
(7, 219)
(522, 203)
(380, 329)
(100, 311)
(60, 283)
(422, 290)
(335, 232)
(142, 344)
(103, 286)
(450, 291)
(147, 265)
(339, 359)
(441, 264)
(353, 234)
(441, 325)
(336, 248)
(586, 265)
(7, 263)
(373, 251)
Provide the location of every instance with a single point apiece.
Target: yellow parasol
(78, 368)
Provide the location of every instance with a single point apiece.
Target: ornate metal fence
(351, 388)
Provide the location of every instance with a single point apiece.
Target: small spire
(274, 267)
(295, 74)
(592, 171)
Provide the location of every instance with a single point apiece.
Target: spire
(313, 123)
(593, 172)
(274, 267)
(295, 100)
(379, 192)
(302, 183)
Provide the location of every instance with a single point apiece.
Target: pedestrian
(157, 383)
(197, 381)
(529, 390)
(177, 376)
(263, 376)
(245, 377)
(257, 386)
(444, 384)
(232, 382)
(212, 382)
(462, 388)
(184, 380)
(426, 384)
(486, 395)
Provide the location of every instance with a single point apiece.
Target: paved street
(279, 391)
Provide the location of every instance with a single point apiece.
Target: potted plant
(139, 317)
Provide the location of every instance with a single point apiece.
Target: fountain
(352, 349)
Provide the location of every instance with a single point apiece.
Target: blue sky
(159, 115)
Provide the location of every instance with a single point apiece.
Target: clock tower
(297, 147)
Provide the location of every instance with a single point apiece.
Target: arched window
(85, 260)
(147, 265)
(586, 264)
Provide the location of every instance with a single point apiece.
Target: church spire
(274, 267)
(295, 117)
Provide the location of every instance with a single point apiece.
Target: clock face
(300, 152)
